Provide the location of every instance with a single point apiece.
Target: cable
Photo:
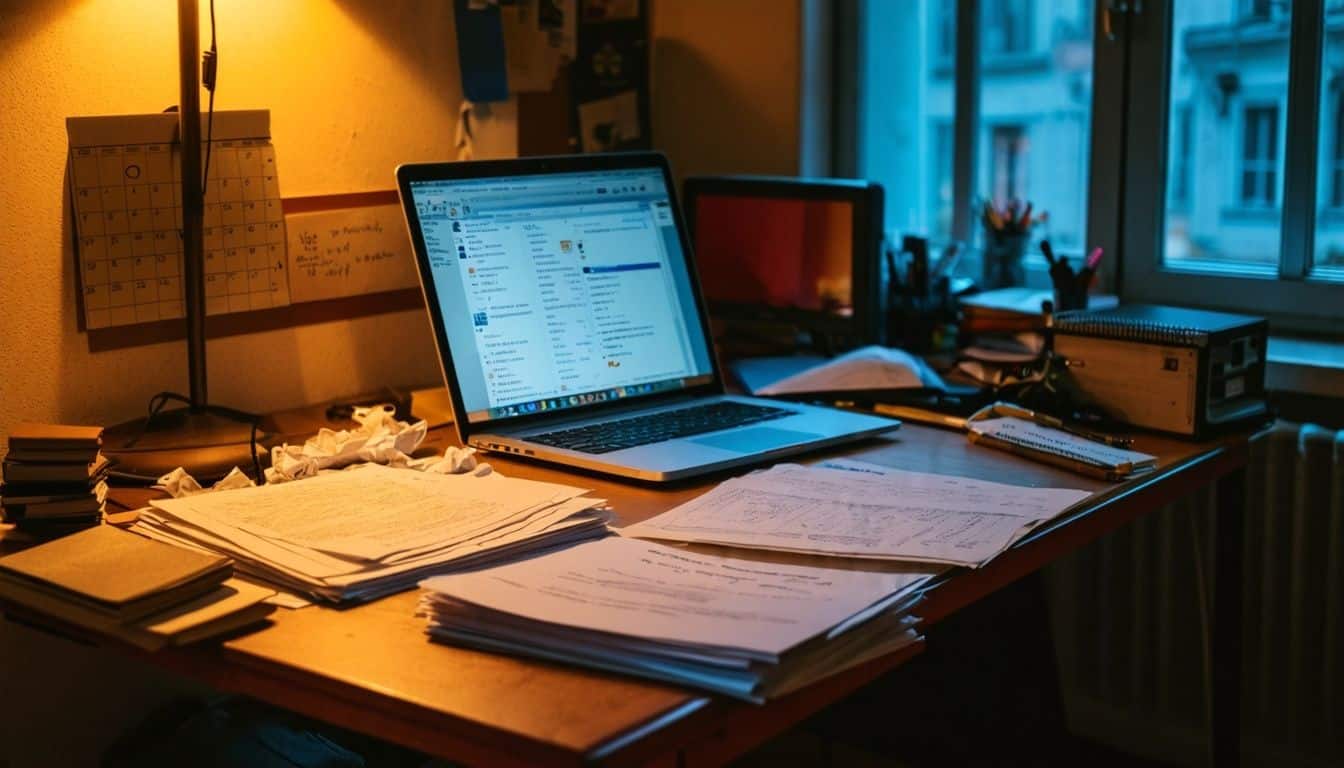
(209, 76)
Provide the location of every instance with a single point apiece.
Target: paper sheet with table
(372, 530)
(745, 628)
(853, 509)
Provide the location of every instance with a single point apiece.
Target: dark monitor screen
(791, 255)
(776, 252)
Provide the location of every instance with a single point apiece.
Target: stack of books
(54, 479)
(116, 583)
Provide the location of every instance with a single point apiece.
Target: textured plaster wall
(726, 84)
(354, 87)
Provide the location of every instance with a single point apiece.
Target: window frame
(1289, 294)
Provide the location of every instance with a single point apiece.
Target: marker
(1048, 252)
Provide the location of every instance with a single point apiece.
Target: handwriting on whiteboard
(348, 252)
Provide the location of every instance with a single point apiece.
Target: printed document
(852, 509)
(646, 590)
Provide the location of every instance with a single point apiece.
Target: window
(946, 46)
(1009, 177)
(1220, 184)
(1250, 220)
(1260, 156)
(1007, 27)
(1027, 136)
(941, 205)
(1178, 180)
(1337, 167)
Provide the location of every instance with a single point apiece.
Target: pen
(948, 261)
(920, 415)
(1008, 409)
(1090, 266)
(1048, 252)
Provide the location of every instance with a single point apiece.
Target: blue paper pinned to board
(480, 52)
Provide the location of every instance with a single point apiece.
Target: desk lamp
(207, 439)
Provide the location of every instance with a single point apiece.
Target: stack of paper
(853, 509)
(370, 531)
(752, 630)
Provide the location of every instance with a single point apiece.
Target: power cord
(159, 401)
(209, 73)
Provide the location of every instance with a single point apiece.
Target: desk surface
(371, 668)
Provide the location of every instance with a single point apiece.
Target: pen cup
(1070, 292)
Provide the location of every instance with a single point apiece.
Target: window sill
(1305, 366)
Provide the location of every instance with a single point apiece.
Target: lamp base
(207, 444)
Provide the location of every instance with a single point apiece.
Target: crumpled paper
(380, 438)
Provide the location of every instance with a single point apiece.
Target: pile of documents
(54, 479)
(748, 629)
(854, 509)
(143, 592)
(372, 530)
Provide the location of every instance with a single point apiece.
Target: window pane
(1229, 86)
(1035, 112)
(906, 113)
(1328, 261)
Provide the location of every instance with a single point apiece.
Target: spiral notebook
(1060, 448)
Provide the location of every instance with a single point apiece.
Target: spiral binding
(1128, 329)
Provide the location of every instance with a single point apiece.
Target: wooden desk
(371, 668)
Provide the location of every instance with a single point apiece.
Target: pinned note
(348, 252)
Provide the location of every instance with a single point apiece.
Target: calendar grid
(128, 218)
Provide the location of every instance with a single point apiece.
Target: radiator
(1127, 620)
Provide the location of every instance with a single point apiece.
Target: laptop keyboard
(657, 427)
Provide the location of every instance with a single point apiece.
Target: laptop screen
(561, 289)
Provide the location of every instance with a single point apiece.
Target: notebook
(1060, 448)
(110, 572)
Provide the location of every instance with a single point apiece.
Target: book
(1153, 324)
(81, 507)
(1012, 310)
(111, 572)
(46, 493)
(23, 472)
(232, 605)
(30, 436)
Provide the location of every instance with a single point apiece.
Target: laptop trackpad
(755, 439)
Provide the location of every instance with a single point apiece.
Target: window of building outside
(1337, 170)
(1008, 180)
(1007, 26)
(1178, 191)
(1260, 156)
(1032, 132)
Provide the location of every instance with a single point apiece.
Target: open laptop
(570, 326)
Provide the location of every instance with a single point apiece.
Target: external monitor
(794, 254)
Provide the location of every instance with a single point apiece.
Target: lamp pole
(193, 196)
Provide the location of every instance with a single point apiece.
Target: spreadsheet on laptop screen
(560, 290)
